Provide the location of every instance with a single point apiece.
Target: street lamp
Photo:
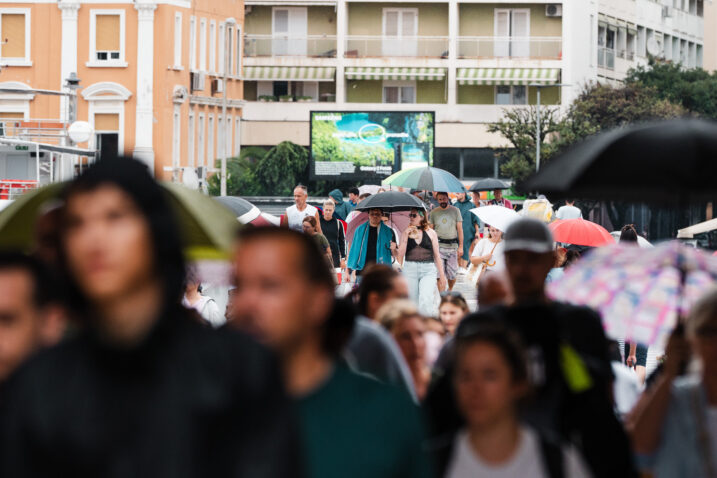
(229, 23)
(539, 86)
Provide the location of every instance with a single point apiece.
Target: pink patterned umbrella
(397, 220)
(639, 292)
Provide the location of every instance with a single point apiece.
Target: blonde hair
(703, 317)
(394, 311)
(329, 202)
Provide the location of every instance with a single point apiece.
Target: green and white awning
(370, 73)
(507, 76)
(289, 73)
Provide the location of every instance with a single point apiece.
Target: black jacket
(188, 402)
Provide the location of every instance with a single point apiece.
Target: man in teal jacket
(373, 243)
(343, 208)
(470, 224)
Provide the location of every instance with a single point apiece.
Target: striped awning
(289, 73)
(507, 76)
(370, 73)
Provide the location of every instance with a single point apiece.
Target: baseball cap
(528, 235)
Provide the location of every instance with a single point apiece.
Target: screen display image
(369, 145)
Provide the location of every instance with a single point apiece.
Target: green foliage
(240, 174)
(695, 90)
(282, 168)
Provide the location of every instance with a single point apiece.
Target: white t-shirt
(208, 309)
(296, 217)
(526, 462)
(569, 212)
(484, 247)
(626, 387)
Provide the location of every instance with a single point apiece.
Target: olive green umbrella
(207, 227)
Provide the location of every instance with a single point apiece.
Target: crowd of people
(113, 362)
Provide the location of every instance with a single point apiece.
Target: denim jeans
(422, 286)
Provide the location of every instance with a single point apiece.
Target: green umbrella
(426, 179)
(207, 227)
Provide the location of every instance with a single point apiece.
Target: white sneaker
(462, 271)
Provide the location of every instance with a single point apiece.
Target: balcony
(606, 58)
(550, 48)
(409, 47)
(317, 46)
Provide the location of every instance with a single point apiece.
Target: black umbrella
(672, 162)
(488, 184)
(391, 201)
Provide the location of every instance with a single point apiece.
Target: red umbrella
(580, 232)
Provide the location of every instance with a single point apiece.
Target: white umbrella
(499, 217)
(641, 241)
(369, 188)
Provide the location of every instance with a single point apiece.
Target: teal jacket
(343, 208)
(357, 253)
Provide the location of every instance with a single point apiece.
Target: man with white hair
(294, 216)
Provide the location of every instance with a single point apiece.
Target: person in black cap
(568, 358)
(143, 390)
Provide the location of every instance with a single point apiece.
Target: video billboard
(369, 145)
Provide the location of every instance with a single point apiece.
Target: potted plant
(267, 98)
(305, 99)
(286, 98)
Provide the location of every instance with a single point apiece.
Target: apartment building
(465, 60)
(151, 77)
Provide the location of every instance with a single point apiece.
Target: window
(193, 43)
(178, 40)
(212, 46)
(210, 142)
(107, 38)
(229, 126)
(230, 41)
(400, 28)
(238, 52)
(203, 44)
(200, 141)
(399, 92)
(289, 31)
(176, 139)
(222, 47)
(107, 127)
(511, 29)
(190, 140)
(237, 138)
(511, 95)
(221, 138)
(15, 32)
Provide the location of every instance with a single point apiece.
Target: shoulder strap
(552, 456)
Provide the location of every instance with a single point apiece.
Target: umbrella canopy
(497, 216)
(397, 220)
(246, 212)
(639, 292)
(207, 228)
(369, 188)
(488, 184)
(670, 162)
(391, 201)
(426, 179)
(580, 232)
(641, 241)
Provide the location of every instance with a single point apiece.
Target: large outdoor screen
(369, 145)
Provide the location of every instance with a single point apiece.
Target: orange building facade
(151, 74)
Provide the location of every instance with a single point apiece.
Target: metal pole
(537, 133)
(230, 22)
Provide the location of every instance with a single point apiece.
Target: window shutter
(13, 32)
(108, 33)
(106, 122)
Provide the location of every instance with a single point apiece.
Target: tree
(282, 168)
(518, 126)
(241, 180)
(695, 89)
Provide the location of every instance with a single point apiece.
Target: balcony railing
(510, 47)
(606, 58)
(384, 46)
(321, 46)
(44, 131)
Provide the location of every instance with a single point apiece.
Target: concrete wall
(431, 92)
(367, 18)
(548, 96)
(364, 91)
(479, 20)
(321, 21)
(476, 94)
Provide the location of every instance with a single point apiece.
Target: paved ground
(468, 291)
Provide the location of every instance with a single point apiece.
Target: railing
(606, 58)
(510, 47)
(322, 46)
(14, 188)
(45, 131)
(384, 46)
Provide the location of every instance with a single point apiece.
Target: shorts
(640, 354)
(450, 262)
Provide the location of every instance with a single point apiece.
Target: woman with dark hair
(143, 389)
(635, 354)
(423, 263)
(490, 381)
(309, 225)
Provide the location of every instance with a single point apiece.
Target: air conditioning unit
(217, 86)
(666, 12)
(554, 10)
(197, 81)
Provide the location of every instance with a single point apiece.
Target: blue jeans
(422, 286)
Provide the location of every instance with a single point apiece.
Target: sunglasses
(412, 215)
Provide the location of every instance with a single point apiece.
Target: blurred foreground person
(143, 390)
(29, 316)
(490, 380)
(451, 311)
(674, 425)
(352, 426)
(401, 318)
